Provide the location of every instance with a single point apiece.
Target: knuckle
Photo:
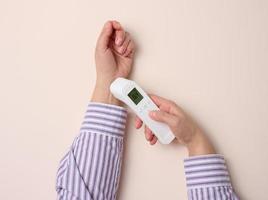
(176, 122)
(108, 23)
(172, 103)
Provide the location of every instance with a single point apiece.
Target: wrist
(104, 82)
(200, 145)
(102, 94)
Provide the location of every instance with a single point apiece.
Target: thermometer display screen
(135, 96)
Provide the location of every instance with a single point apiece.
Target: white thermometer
(131, 94)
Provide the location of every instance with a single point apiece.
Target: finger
(121, 49)
(165, 104)
(124, 46)
(131, 54)
(119, 33)
(119, 37)
(106, 33)
(148, 134)
(116, 25)
(162, 116)
(130, 49)
(154, 140)
(159, 100)
(138, 122)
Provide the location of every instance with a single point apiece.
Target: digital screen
(135, 96)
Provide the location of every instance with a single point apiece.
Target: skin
(186, 131)
(114, 57)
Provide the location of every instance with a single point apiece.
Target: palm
(123, 64)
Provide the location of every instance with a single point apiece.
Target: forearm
(91, 168)
(102, 94)
(200, 144)
(207, 177)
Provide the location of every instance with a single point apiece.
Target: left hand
(114, 58)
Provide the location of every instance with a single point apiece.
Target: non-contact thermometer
(131, 94)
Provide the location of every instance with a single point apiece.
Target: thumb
(162, 116)
(105, 35)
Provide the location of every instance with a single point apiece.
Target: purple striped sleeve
(91, 168)
(207, 178)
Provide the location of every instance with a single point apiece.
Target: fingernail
(118, 41)
(152, 113)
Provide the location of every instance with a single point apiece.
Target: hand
(185, 130)
(114, 58)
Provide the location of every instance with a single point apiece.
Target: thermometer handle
(161, 130)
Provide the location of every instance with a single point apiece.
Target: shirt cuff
(105, 119)
(206, 171)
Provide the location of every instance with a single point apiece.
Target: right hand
(184, 129)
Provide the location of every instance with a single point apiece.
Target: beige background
(210, 56)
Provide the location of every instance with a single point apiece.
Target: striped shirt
(90, 170)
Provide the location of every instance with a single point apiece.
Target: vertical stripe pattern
(207, 178)
(91, 168)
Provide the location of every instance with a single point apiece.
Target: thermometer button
(145, 106)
